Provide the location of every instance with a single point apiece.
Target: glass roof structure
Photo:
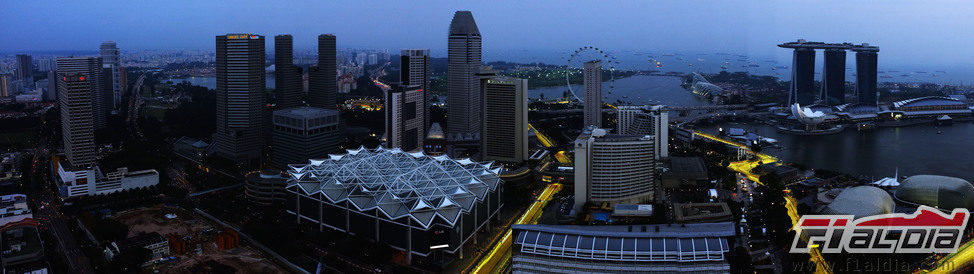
(398, 184)
(927, 101)
(690, 243)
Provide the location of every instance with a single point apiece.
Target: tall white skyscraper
(592, 78)
(80, 84)
(463, 85)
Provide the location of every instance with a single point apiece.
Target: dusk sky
(907, 31)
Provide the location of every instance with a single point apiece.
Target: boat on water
(884, 76)
(940, 71)
(753, 65)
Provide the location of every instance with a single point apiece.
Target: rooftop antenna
(896, 175)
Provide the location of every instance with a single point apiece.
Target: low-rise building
(265, 187)
(23, 248)
(13, 208)
(701, 212)
(76, 182)
(685, 172)
(154, 242)
(696, 248)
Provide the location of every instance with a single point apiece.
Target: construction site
(196, 245)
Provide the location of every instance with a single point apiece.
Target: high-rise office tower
(463, 86)
(415, 70)
(646, 120)
(51, 93)
(25, 71)
(92, 68)
(405, 117)
(240, 98)
(323, 82)
(505, 134)
(4, 81)
(802, 77)
(866, 62)
(833, 77)
(79, 81)
(592, 79)
(287, 76)
(303, 133)
(613, 168)
(112, 61)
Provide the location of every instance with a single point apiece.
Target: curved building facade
(265, 187)
(614, 168)
(941, 192)
(861, 201)
(695, 248)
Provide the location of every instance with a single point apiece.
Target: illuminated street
(500, 253)
(745, 167)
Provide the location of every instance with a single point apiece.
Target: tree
(110, 230)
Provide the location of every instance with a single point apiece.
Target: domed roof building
(861, 201)
(937, 191)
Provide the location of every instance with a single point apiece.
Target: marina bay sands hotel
(833, 76)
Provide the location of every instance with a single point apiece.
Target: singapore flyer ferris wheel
(574, 67)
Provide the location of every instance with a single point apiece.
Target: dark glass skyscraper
(111, 60)
(803, 77)
(833, 77)
(405, 117)
(287, 80)
(505, 122)
(866, 62)
(240, 135)
(323, 82)
(25, 71)
(415, 71)
(304, 133)
(463, 86)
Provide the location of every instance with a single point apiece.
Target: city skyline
(658, 137)
(736, 26)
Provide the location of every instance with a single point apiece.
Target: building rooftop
(687, 166)
(304, 112)
(701, 212)
(928, 101)
(463, 23)
(801, 43)
(937, 191)
(682, 243)
(20, 244)
(721, 229)
(399, 184)
(861, 201)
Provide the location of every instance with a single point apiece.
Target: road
(135, 106)
(745, 167)
(500, 253)
(50, 213)
(953, 262)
